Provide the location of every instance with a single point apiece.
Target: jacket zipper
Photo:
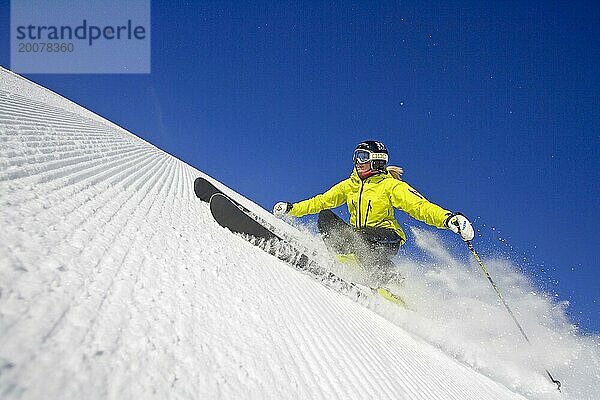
(367, 214)
(362, 186)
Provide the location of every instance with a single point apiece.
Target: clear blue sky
(493, 109)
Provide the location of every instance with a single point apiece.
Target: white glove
(281, 209)
(458, 223)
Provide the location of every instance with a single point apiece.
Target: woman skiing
(372, 192)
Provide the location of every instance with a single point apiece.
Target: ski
(238, 219)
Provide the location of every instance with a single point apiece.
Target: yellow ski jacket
(371, 203)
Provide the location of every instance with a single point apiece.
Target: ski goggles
(362, 156)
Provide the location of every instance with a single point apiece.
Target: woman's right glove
(458, 223)
(281, 209)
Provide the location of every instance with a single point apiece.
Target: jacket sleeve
(334, 197)
(406, 198)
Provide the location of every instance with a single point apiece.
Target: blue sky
(491, 108)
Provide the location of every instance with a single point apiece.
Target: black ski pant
(374, 247)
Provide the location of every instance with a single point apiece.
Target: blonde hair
(395, 172)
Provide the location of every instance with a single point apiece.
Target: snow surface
(115, 282)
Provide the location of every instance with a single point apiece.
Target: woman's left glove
(281, 209)
(458, 223)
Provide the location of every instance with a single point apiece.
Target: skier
(372, 192)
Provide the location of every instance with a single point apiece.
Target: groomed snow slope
(115, 282)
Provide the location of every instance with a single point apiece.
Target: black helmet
(373, 151)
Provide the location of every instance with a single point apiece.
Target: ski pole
(512, 315)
